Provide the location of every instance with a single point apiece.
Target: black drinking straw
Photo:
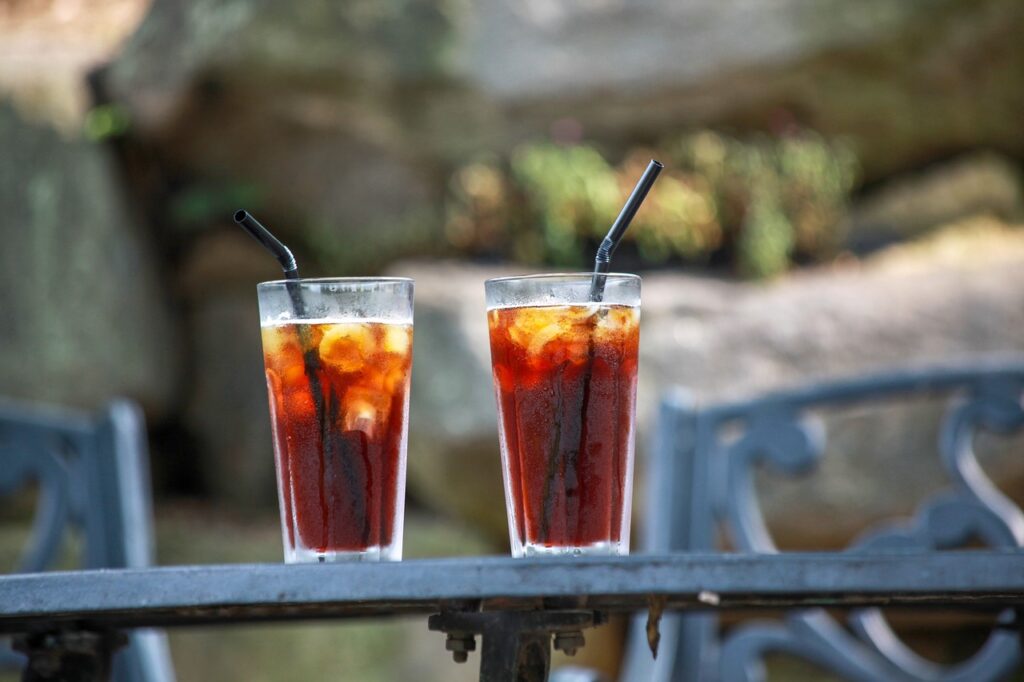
(333, 445)
(602, 265)
(603, 259)
(281, 252)
(271, 243)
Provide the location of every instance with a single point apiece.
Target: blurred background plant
(757, 204)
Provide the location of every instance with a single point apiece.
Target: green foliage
(572, 194)
(760, 201)
(766, 241)
(106, 121)
(199, 205)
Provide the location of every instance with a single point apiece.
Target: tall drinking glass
(565, 373)
(337, 354)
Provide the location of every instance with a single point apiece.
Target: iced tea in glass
(565, 374)
(338, 353)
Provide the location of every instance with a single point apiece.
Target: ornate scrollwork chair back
(703, 479)
(92, 480)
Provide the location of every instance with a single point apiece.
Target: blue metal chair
(702, 478)
(93, 476)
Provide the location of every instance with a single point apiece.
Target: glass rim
(563, 276)
(338, 280)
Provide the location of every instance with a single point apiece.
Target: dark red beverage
(338, 403)
(565, 378)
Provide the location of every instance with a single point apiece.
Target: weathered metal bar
(176, 596)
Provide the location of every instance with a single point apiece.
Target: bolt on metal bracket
(516, 643)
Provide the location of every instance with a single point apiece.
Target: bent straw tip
(271, 243)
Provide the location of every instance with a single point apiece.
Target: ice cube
(364, 408)
(397, 339)
(395, 378)
(553, 333)
(295, 378)
(346, 345)
(278, 340)
(272, 340)
(529, 322)
(281, 349)
(542, 337)
(617, 321)
(581, 314)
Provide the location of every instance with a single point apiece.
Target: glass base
(597, 549)
(302, 555)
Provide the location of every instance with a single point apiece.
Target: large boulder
(957, 297)
(311, 109)
(906, 82)
(453, 456)
(47, 49)
(345, 112)
(954, 298)
(909, 206)
(225, 407)
(84, 317)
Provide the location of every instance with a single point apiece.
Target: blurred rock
(83, 317)
(921, 303)
(950, 299)
(908, 206)
(958, 297)
(349, 116)
(906, 82)
(453, 462)
(227, 407)
(48, 46)
(306, 104)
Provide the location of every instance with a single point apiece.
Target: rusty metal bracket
(69, 655)
(516, 644)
